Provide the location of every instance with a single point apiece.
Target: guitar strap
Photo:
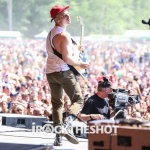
(60, 56)
(71, 67)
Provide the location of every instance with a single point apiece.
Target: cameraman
(96, 107)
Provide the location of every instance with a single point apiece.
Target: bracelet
(91, 116)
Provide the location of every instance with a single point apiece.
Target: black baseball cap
(14, 94)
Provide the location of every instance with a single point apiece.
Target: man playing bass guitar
(59, 49)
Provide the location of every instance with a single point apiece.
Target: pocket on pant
(68, 74)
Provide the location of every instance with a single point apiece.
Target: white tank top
(54, 63)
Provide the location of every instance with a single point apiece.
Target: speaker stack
(122, 136)
(20, 121)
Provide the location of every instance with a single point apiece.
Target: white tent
(10, 34)
(137, 33)
(42, 35)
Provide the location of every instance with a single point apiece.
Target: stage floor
(12, 138)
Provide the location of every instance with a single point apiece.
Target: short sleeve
(88, 107)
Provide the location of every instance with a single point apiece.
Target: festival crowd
(25, 90)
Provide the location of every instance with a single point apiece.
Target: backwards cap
(57, 9)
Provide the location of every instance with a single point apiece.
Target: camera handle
(113, 118)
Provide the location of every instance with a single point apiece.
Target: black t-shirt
(96, 105)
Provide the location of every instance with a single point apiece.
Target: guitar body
(81, 58)
(78, 71)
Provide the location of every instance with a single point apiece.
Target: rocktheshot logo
(103, 129)
(48, 129)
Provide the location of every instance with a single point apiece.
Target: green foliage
(3, 15)
(108, 17)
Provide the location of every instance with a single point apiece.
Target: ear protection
(105, 83)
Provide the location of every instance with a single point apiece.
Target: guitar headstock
(79, 18)
(82, 29)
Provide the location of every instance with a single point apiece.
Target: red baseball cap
(57, 9)
(30, 106)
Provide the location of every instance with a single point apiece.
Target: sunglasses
(26, 95)
(19, 109)
(30, 107)
(14, 95)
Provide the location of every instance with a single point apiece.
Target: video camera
(119, 99)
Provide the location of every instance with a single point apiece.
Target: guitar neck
(82, 35)
(82, 30)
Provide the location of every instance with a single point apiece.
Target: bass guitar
(80, 54)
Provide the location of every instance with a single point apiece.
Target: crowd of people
(24, 88)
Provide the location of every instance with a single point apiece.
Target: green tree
(104, 17)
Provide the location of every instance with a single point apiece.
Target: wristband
(91, 117)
